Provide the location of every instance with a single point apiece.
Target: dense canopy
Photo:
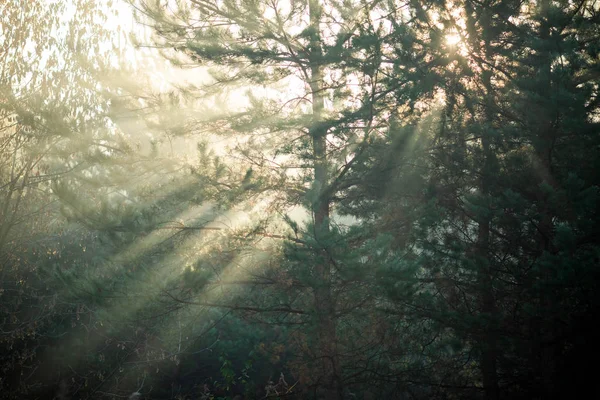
(299, 199)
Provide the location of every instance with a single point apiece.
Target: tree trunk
(323, 299)
(545, 331)
(488, 339)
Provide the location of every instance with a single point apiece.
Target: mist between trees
(299, 199)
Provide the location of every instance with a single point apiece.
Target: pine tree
(331, 89)
(518, 100)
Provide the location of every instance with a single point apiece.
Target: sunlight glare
(453, 39)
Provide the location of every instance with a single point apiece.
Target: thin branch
(235, 307)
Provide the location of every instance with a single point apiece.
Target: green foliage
(363, 208)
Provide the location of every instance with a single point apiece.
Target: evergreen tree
(330, 88)
(519, 96)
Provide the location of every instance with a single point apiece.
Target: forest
(299, 199)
